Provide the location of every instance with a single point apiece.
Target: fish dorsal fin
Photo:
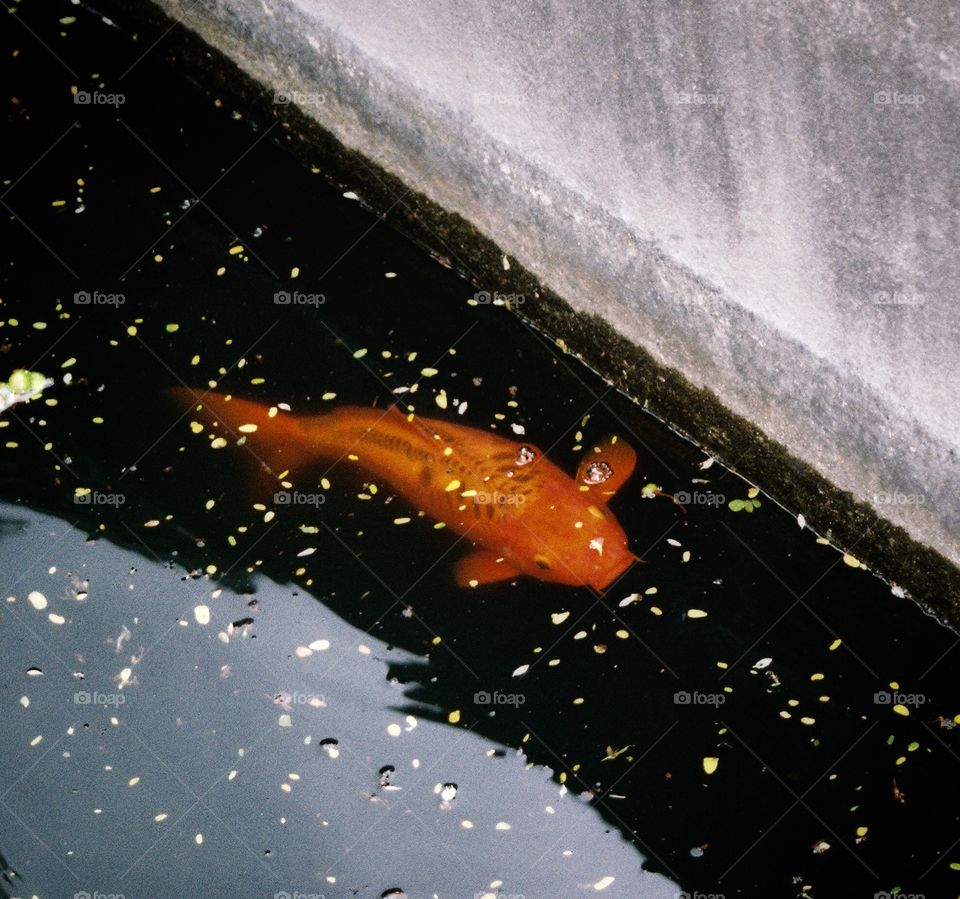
(483, 567)
(606, 465)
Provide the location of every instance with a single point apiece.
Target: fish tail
(277, 440)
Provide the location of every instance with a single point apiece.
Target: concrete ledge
(739, 294)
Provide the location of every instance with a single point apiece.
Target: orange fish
(525, 515)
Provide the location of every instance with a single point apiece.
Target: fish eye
(597, 473)
(541, 561)
(525, 455)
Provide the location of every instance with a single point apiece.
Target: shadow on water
(785, 680)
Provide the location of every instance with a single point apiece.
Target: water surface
(742, 640)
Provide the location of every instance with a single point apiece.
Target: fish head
(598, 551)
(569, 537)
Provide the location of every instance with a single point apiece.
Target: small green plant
(22, 387)
(745, 505)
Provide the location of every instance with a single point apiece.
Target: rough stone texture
(762, 196)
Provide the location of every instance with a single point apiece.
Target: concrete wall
(764, 195)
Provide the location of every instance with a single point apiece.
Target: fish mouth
(602, 580)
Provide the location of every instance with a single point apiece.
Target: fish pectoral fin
(483, 567)
(606, 465)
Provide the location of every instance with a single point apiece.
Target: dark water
(809, 754)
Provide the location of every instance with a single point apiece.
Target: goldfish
(523, 514)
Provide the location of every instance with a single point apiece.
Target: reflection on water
(754, 715)
(183, 733)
